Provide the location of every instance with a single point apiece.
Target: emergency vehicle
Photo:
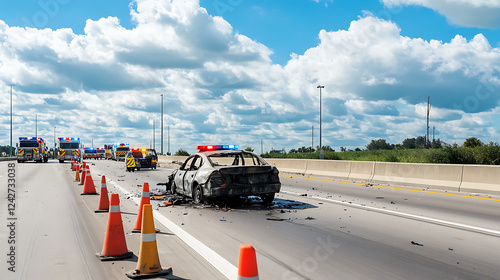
(121, 151)
(33, 148)
(69, 148)
(100, 153)
(89, 152)
(109, 150)
(141, 158)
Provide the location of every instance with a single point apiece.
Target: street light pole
(36, 125)
(54, 152)
(154, 132)
(162, 124)
(320, 87)
(11, 120)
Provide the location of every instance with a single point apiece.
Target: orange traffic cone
(115, 245)
(103, 198)
(84, 170)
(247, 264)
(88, 185)
(77, 174)
(144, 200)
(72, 165)
(148, 263)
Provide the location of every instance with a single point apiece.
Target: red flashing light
(217, 147)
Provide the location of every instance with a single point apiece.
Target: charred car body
(223, 171)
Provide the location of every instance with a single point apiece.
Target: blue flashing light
(23, 138)
(217, 147)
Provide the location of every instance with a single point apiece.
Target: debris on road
(310, 218)
(392, 202)
(275, 219)
(415, 243)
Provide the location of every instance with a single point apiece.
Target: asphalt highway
(317, 228)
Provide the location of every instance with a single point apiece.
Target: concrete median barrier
(288, 165)
(361, 170)
(481, 178)
(168, 160)
(335, 168)
(444, 175)
(458, 177)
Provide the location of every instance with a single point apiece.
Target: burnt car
(141, 158)
(223, 171)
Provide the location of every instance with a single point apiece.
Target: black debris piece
(415, 243)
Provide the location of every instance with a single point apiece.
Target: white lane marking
(406, 215)
(222, 265)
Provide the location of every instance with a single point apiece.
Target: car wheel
(197, 194)
(267, 198)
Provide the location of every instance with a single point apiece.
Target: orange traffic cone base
(102, 258)
(136, 274)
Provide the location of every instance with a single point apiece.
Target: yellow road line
(394, 188)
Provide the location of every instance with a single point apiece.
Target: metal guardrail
(7, 158)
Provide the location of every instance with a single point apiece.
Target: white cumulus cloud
(468, 13)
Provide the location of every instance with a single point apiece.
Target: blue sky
(285, 26)
(248, 70)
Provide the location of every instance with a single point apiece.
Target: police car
(224, 171)
(138, 158)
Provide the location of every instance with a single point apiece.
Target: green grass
(488, 154)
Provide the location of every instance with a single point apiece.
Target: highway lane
(480, 209)
(58, 233)
(324, 240)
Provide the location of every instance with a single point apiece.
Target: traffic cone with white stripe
(88, 185)
(148, 263)
(247, 264)
(72, 165)
(144, 200)
(115, 245)
(77, 173)
(84, 170)
(103, 198)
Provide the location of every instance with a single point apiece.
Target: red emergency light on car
(217, 147)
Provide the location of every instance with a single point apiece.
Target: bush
(181, 152)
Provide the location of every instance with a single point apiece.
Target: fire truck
(69, 148)
(31, 149)
(121, 151)
(109, 150)
(100, 153)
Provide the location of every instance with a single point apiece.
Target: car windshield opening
(234, 159)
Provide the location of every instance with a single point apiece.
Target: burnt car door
(181, 173)
(190, 176)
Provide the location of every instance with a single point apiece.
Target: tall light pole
(320, 87)
(11, 120)
(154, 132)
(312, 138)
(36, 125)
(54, 152)
(162, 124)
(168, 141)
